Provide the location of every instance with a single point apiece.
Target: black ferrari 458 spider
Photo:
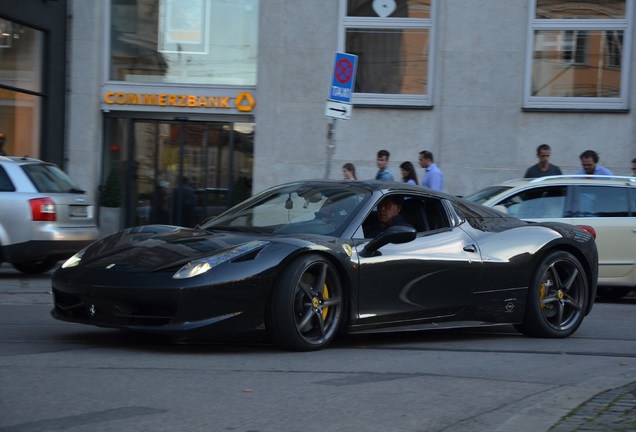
(302, 262)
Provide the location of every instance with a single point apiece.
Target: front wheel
(557, 297)
(306, 308)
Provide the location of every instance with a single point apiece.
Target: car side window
(537, 203)
(422, 213)
(425, 213)
(601, 201)
(5, 182)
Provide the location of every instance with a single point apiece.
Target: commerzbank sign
(118, 99)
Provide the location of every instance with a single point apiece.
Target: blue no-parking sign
(343, 77)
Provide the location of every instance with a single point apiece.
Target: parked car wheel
(36, 267)
(612, 293)
(306, 307)
(557, 297)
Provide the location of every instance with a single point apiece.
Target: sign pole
(331, 145)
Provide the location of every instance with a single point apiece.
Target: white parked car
(44, 216)
(608, 204)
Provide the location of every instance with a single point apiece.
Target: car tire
(305, 310)
(612, 293)
(36, 267)
(557, 297)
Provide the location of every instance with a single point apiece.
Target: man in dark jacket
(388, 215)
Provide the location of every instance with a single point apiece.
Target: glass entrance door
(176, 172)
(181, 171)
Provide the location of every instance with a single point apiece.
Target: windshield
(299, 208)
(484, 195)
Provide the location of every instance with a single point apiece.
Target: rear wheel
(306, 309)
(557, 298)
(36, 267)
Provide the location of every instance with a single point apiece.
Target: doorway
(177, 172)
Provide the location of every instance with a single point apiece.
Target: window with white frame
(578, 54)
(393, 40)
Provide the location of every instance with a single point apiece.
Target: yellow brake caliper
(542, 294)
(325, 295)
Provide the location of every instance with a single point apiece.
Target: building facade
(174, 103)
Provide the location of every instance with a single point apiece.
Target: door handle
(470, 248)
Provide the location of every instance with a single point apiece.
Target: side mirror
(394, 234)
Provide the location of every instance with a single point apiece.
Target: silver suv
(608, 204)
(44, 216)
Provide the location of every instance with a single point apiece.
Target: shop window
(20, 88)
(195, 42)
(393, 40)
(578, 54)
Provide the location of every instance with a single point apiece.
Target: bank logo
(244, 102)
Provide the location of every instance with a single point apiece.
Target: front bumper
(156, 303)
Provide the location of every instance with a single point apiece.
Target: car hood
(158, 247)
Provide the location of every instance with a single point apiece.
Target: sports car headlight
(74, 260)
(202, 265)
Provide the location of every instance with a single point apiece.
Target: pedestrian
(589, 164)
(349, 171)
(382, 161)
(2, 140)
(543, 167)
(183, 203)
(433, 177)
(408, 173)
(634, 167)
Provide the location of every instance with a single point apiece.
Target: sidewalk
(611, 410)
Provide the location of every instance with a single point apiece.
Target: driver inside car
(388, 214)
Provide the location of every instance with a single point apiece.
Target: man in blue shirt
(433, 178)
(589, 162)
(382, 161)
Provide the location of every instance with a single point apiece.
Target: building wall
(476, 128)
(84, 120)
(296, 49)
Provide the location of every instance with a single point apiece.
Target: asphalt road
(60, 376)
